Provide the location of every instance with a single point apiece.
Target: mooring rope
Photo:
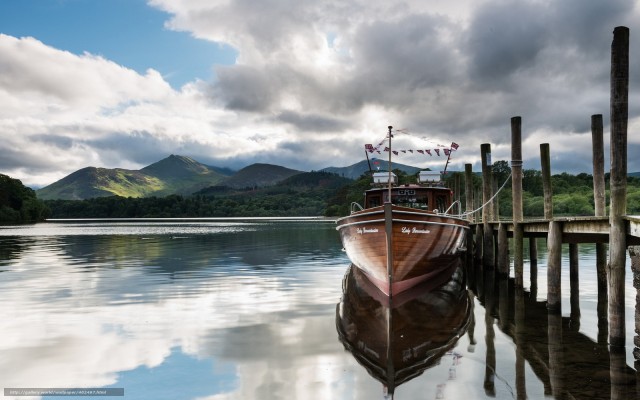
(465, 214)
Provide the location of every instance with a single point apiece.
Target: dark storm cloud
(12, 157)
(312, 122)
(397, 59)
(58, 141)
(507, 37)
(499, 44)
(245, 88)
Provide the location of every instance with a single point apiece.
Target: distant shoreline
(196, 219)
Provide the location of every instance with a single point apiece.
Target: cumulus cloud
(318, 79)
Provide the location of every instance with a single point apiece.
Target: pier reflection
(570, 364)
(397, 339)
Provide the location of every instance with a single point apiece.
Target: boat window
(441, 203)
(409, 198)
(373, 201)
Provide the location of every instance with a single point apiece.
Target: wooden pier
(490, 244)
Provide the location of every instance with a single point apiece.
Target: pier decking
(573, 229)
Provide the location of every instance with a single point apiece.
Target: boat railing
(356, 207)
(454, 204)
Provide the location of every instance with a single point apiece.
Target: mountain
(634, 174)
(315, 180)
(258, 175)
(172, 175)
(92, 182)
(356, 170)
(183, 175)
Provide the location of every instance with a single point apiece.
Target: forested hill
(302, 194)
(259, 175)
(356, 170)
(172, 175)
(18, 203)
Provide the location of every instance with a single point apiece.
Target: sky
(304, 84)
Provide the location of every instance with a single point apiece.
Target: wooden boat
(405, 234)
(398, 341)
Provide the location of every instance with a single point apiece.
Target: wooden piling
(516, 168)
(487, 189)
(520, 341)
(556, 355)
(516, 190)
(574, 286)
(456, 190)
(533, 267)
(496, 202)
(599, 199)
(478, 246)
(634, 253)
(490, 336)
(478, 204)
(545, 161)
(598, 165)
(533, 250)
(468, 207)
(618, 183)
(554, 262)
(468, 190)
(503, 251)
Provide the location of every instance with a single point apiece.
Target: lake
(262, 309)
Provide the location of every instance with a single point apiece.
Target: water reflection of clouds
(125, 228)
(107, 324)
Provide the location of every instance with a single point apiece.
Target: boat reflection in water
(398, 338)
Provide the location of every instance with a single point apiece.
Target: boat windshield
(411, 198)
(406, 197)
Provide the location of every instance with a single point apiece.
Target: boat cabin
(427, 198)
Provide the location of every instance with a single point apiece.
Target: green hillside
(92, 182)
(182, 175)
(356, 170)
(304, 194)
(172, 175)
(259, 175)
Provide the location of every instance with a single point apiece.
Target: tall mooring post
(554, 239)
(487, 189)
(618, 183)
(516, 190)
(597, 143)
(545, 161)
(468, 190)
(468, 205)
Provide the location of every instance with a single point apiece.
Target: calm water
(271, 310)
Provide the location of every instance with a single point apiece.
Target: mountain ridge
(183, 175)
(354, 171)
(171, 175)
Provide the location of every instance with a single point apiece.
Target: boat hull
(399, 247)
(397, 342)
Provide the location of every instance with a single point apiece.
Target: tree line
(18, 203)
(311, 194)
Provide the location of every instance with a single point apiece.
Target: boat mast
(366, 153)
(446, 164)
(390, 136)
